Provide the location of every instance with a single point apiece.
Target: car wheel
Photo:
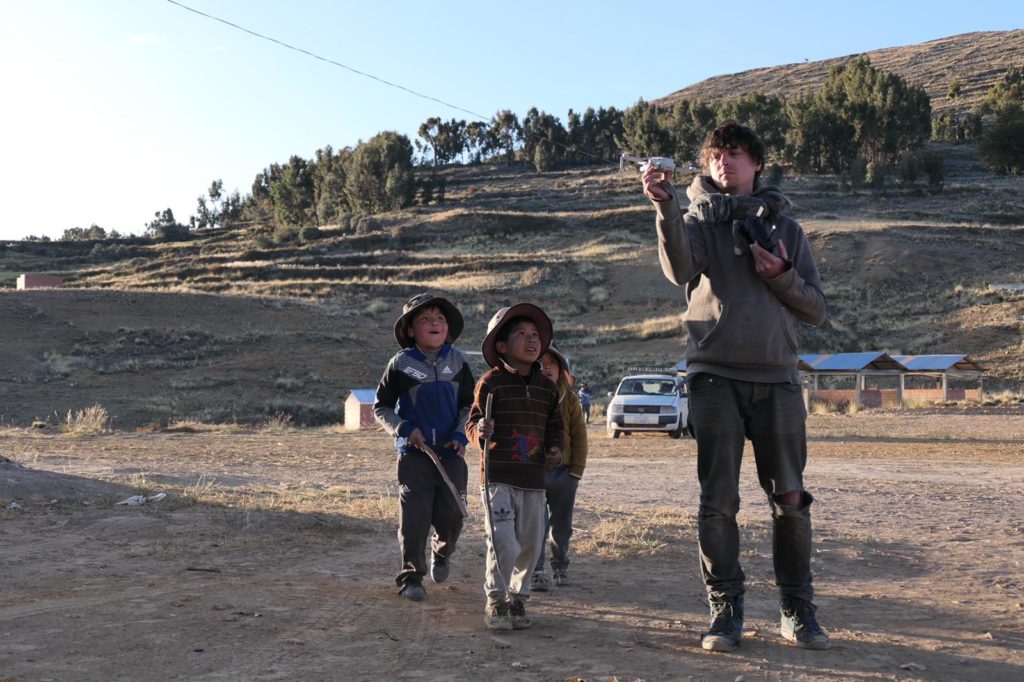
(614, 433)
(676, 432)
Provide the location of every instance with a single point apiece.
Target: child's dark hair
(507, 327)
(731, 135)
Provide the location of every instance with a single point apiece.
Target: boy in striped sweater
(525, 435)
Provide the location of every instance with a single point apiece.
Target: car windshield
(647, 387)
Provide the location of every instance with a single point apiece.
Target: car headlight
(668, 409)
(615, 408)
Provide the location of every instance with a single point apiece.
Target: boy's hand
(485, 428)
(416, 439)
(553, 459)
(458, 447)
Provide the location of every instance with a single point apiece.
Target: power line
(369, 75)
(325, 59)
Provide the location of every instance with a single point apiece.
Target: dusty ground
(273, 554)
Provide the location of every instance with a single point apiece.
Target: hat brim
(451, 315)
(528, 310)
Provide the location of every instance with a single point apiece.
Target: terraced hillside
(219, 328)
(976, 60)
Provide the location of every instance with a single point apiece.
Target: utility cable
(369, 75)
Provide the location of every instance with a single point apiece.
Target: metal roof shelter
(859, 366)
(942, 367)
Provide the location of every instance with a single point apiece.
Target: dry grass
(91, 420)
(822, 407)
(1004, 398)
(628, 533)
(278, 422)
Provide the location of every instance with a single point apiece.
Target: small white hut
(359, 409)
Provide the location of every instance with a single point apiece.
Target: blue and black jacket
(433, 396)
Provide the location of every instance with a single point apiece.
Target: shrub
(908, 169)
(875, 175)
(934, 166)
(366, 224)
(310, 233)
(858, 172)
(91, 420)
(1002, 147)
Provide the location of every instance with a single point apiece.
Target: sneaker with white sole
(496, 616)
(726, 625)
(539, 582)
(800, 626)
(560, 576)
(517, 612)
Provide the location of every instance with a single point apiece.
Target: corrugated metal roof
(938, 363)
(364, 395)
(849, 362)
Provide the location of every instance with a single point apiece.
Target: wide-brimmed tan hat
(419, 302)
(528, 310)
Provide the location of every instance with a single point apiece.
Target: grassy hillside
(977, 60)
(220, 329)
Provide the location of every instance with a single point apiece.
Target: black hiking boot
(800, 626)
(413, 592)
(439, 567)
(726, 625)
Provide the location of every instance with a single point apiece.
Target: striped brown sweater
(527, 423)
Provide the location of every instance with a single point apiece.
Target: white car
(648, 402)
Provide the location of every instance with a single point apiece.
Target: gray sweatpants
(516, 539)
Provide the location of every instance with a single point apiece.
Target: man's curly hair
(730, 135)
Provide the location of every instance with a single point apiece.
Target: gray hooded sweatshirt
(740, 326)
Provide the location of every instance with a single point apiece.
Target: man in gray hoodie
(743, 301)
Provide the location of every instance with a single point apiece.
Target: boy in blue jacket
(423, 399)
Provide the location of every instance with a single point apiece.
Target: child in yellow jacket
(562, 480)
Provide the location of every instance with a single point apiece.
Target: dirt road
(272, 558)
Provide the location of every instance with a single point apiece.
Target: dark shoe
(726, 626)
(539, 582)
(800, 626)
(413, 592)
(517, 612)
(560, 576)
(496, 616)
(438, 567)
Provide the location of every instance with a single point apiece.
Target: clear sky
(114, 109)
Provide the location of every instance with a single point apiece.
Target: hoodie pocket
(750, 333)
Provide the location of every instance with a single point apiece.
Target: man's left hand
(458, 447)
(767, 264)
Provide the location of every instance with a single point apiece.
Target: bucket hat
(528, 310)
(419, 302)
